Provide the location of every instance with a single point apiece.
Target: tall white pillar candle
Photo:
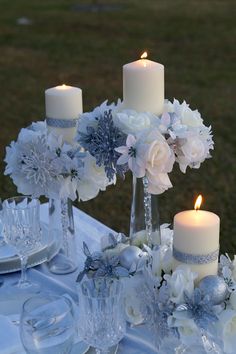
(143, 86)
(196, 233)
(63, 103)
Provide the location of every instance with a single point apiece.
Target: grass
(195, 40)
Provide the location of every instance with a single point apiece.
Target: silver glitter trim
(61, 123)
(189, 258)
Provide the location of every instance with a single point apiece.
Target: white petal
(131, 140)
(122, 159)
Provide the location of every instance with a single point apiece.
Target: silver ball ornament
(129, 255)
(215, 287)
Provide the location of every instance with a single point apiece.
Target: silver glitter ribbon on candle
(61, 123)
(189, 258)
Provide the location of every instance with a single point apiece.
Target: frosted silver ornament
(129, 255)
(215, 287)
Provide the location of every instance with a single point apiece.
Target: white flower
(158, 183)
(182, 110)
(132, 155)
(74, 170)
(166, 235)
(132, 300)
(132, 122)
(32, 166)
(161, 259)
(139, 239)
(227, 325)
(94, 180)
(159, 157)
(180, 281)
(167, 259)
(192, 153)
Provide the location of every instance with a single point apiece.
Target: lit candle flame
(62, 87)
(198, 203)
(144, 55)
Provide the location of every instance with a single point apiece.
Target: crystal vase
(61, 224)
(144, 219)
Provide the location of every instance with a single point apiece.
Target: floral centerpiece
(144, 143)
(176, 310)
(41, 164)
(110, 141)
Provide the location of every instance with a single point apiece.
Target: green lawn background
(194, 39)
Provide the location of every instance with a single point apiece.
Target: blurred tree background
(85, 43)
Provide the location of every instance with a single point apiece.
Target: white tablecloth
(91, 231)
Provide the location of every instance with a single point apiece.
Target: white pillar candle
(196, 232)
(63, 103)
(143, 86)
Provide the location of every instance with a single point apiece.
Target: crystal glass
(144, 219)
(22, 231)
(47, 325)
(61, 224)
(101, 306)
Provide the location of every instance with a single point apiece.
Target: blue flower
(98, 265)
(110, 267)
(102, 141)
(199, 308)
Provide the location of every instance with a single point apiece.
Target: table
(90, 230)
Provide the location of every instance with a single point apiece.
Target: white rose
(159, 156)
(158, 183)
(132, 300)
(190, 118)
(187, 116)
(139, 238)
(132, 122)
(227, 325)
(191, 153)
(194, 149)
(94, 180)
(167, 259)
(180, 281)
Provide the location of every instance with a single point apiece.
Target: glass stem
(23, 278)
(147, 202)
